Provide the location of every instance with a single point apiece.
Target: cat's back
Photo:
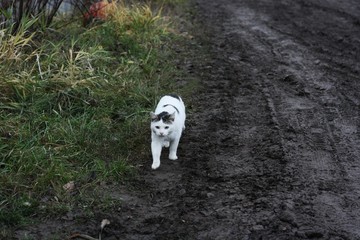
(171, 101)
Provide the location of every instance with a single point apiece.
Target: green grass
(74, 106)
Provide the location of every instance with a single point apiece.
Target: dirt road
(272, 150)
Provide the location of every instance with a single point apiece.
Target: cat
(167, 125)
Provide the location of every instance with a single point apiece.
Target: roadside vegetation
(74, 106)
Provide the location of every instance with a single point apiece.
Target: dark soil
(273, 149)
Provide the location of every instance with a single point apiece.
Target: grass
(74, 106)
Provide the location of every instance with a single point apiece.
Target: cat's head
(162, 123)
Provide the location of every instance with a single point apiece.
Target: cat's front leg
(173, 149)
(156, 153)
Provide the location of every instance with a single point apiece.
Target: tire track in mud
(272, 151)
(306, 106)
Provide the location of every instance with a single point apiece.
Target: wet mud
(272, 149)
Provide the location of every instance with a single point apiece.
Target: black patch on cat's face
(174, 96)
(165, 116)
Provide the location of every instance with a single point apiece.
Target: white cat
(167, 125)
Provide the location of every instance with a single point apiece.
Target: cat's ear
(172, 117)
(153, 116)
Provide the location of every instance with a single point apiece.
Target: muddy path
(273, 149)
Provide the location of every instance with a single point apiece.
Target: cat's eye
(166, 127)
(157, 127)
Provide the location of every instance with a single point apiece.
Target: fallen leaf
(104, 222)
(70, 186)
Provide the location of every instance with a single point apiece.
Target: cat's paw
(173, 157)
(166, 144)
(155, 165)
